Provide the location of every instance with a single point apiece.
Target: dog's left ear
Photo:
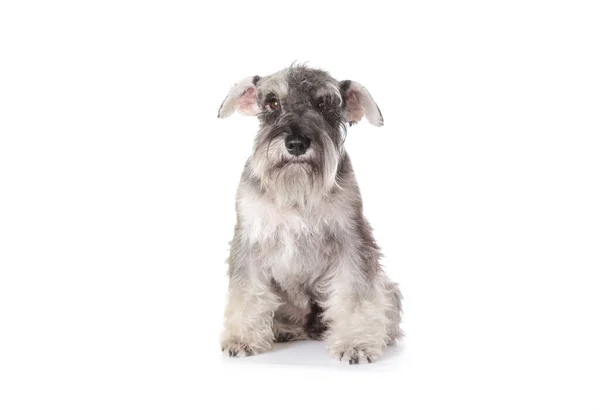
(359, 103)
(242, 97)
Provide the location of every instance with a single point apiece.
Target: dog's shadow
(315, 354)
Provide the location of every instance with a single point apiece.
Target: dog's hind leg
(393, 311)
(301, 326)
(287, 332)
(289, 324)
(315, 323)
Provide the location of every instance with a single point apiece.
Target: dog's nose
(297, 144)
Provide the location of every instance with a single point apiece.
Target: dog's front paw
(355, 355)
(236, 349)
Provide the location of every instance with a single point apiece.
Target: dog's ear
(242, 97)
(359, 103)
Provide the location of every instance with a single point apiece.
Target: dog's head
(303, 115)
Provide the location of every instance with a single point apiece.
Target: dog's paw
(236, 349)
(355, 355)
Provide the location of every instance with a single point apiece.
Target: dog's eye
(322, 103)
(273, 104)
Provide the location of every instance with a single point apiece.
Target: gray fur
(303, 260)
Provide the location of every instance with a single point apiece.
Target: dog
(303, 261)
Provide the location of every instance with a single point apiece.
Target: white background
(117, 186)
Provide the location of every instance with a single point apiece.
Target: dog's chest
(291, 243)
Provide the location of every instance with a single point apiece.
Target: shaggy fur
(303, 261)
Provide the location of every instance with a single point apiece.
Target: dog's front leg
(356, 312)
(248, 317)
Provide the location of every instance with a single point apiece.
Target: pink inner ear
(355, 110)
(247, 103)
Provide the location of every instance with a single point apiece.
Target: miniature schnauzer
(303, 262)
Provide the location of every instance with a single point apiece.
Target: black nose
(297, 144)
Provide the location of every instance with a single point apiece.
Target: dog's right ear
(243, 97)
